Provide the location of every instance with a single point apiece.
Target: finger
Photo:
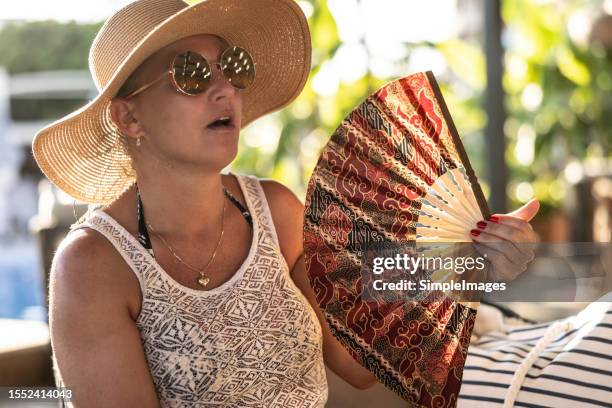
(501, 230)
(513, 222)
(507, 248)
(520, 238)
(527, 211)
(501, 269)
(520, 254)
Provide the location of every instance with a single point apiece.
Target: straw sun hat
(82, 153)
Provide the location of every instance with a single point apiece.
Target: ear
(123, 114)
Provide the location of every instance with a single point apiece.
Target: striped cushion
(574, 368)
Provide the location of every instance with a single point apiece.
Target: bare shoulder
(88, 272)
(287, 213)
(277, 193)
(284, 204)
(93, 334)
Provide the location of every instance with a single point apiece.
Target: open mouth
(224, 122)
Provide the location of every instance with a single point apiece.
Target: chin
(214, 149)
(221, 155)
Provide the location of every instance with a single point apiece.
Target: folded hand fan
(394, 171)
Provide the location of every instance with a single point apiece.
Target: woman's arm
(95, 341)
(337, 358)
(288, 215)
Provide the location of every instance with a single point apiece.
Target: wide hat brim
(82, 154)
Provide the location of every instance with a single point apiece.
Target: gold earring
(138, 142)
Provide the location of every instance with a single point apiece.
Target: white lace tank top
(254, 341)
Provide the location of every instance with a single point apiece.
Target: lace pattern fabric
(254, 341)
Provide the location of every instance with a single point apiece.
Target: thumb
(527, 211)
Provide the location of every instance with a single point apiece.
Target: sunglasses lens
(238, 67)
(191, 73)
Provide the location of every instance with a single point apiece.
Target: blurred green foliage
(558, 95)
(558, 83)
(45, 45)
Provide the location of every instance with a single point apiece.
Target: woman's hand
(507, 240)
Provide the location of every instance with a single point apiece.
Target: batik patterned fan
(394, 171)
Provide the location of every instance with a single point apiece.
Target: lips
(222, 121)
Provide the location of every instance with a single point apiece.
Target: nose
(219, 85)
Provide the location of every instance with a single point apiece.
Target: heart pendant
(204, 280)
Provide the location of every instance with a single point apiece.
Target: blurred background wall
(528, 83)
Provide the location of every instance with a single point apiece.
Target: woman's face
(175, 127)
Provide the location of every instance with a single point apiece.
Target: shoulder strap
(259, 205)
(143, 233)
(245, 212)
(137, 258)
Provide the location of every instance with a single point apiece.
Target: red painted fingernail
(475, 232)
(481, 224)
(494, 218)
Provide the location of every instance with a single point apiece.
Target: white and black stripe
(573, 370)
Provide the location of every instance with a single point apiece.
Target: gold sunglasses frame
(177, 87)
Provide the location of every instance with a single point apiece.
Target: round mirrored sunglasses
(191, 73)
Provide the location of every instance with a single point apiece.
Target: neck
(181, 203)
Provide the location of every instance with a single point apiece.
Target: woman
(188, 286)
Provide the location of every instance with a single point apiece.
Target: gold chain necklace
(203, 279)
